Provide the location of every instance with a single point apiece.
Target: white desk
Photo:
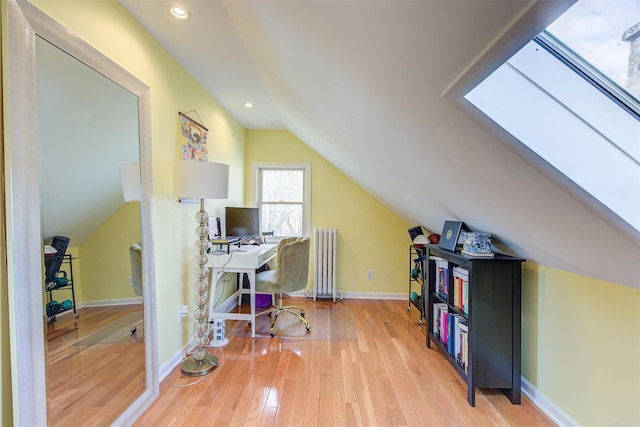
(245, 259)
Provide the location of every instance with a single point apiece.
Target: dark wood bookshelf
(493, 319)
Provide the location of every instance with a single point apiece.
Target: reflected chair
(291, 274)
(135, 256)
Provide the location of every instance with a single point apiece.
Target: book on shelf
(461, 289)
(442, 279)
(439, 309)
(444, 324)
(453, 341)
(477, 254)
(462, 347)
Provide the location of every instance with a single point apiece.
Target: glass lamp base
(193, 368)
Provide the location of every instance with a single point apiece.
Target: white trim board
(556, 414)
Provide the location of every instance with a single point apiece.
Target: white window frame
(306, 197)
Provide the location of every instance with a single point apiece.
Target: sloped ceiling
(87, 127)
(374, 87)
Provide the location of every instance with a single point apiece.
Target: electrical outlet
(130, 281)
(183, 311)
(370, 275)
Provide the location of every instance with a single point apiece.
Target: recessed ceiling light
(249, 105)
(179, 12)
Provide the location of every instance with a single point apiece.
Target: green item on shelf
(53, 308)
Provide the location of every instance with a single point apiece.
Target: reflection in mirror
(102, 241)
(87, 127)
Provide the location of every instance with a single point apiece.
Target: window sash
(305, 168)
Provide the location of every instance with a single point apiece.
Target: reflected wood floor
(90, 385)
(375, 371)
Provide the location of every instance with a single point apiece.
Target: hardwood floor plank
(368, 367)
(91, 383)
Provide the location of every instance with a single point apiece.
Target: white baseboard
(110, 302)
(167, 368)
(556, 414)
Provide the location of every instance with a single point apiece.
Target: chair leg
(298, 315)
(278, 309)
(134, 328)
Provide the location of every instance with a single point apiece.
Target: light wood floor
(90, 378)
(364, 363)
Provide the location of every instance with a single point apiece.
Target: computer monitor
(241, 222)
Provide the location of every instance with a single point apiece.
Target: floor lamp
(201, 180)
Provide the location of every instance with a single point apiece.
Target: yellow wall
(370, 235)
(104, 260)
(581, 345)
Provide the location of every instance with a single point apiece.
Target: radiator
(325, 258)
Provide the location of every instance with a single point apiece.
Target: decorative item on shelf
(420, 240)
(201, 180)
(434, 238)
(450, 235)
(415, 232)
(476, 244)
(61, 279)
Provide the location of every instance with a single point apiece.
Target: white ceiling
(373, 87)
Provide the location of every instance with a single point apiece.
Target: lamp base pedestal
(193, 368)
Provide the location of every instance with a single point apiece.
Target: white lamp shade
(201, 180)
(130, 181)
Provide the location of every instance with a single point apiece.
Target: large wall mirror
(62, 178)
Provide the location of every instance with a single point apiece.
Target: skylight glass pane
(602, 33)
(583, 125)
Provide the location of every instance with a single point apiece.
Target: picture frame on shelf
(450, 235)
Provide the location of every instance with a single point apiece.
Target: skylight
(602, 32)
(553, 97)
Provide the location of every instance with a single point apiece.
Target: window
(600, 34)
(282, 194)
(583, 126)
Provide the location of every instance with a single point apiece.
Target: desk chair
(292, 274)
(135, 256)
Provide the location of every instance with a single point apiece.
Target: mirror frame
(22, 203)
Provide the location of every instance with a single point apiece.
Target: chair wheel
(272, 334)
(302, 314)
(133, 330)
(308, 328)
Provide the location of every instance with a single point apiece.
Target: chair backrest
(135, 255)
(53, 263)
(293, 264)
